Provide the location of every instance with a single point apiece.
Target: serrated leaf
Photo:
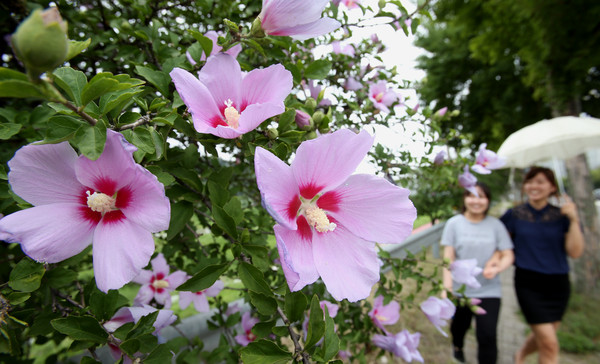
(10, 74)
(205, 42)
(99, 85)
(264, 352)
(234, 209)
(158, 141)
(318, 70)
(224, 221)
(90, 140)
(26, 276)
(205, 278)
(285, 120)
(117, 99)
(76, 47)
(264, 304)
(71, 81)
(316, 325)
(61, 128)
(144, 326)
(104, 305)
(158, 78)
(18, 297)
(263, 329)
(181, 213)
(331, 342)
(253, 279)
(218, 193)
(61, 277)
(295, 304)
(160, 355)
(84, 328)
(19, 89)
(7, 130)
(143, 140)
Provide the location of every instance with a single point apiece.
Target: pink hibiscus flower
(247, 336)
(158, 283)
(200, 298)
(403, 344)
(112, 202)
(487, 160)
(351, 4)
(347, 49)
(384, 314)
(227, 104)
(300, 19)
(328, 220)
(438, 311)
(465, 271)
(214, 36)
(382, 97)
(315, 90)
(468, 181)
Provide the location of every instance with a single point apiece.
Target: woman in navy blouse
(543, 236)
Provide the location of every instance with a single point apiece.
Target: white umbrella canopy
(559, 138)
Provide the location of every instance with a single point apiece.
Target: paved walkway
(511, 327)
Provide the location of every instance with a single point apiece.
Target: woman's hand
(569, 209)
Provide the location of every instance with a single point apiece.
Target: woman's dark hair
(486, 192)
(547, 172)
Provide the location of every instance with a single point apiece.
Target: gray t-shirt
(478, 240)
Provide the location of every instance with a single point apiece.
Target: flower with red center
(112, 202)
(382, 97)
(384, 314)
(487, 160)
(200, 298)
(329, 220)
(247, 336)
(299, 19)
(158, 283)
(225, 103)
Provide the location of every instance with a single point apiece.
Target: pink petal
(159, 265)
(121, 250)
(144, 295)
(114, 168)
(205, 112)
(248, 321)
(43, 174)
(176, 279)
(214, 290)
(227, 132)
(268, 85)
(326, 162)
(291, 277)
(308, 30)
(286, 13)
(143, 201)
(201, 303)
(121, 317)
(480, 169)
(185, 298)
(222, 77)
(49, 233)
(374, 209)
(347, 264)
(163, 298)
(144, 277)
(277, 187)
(299, 256)
(255, 114)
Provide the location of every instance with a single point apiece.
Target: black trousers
(485, 329)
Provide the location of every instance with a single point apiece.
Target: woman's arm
(450, 255)
(574, 242)
(500, 260)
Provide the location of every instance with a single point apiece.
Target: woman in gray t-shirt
(475, 235)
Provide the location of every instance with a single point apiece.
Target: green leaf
(144, 326)
(62, 127)
(90, 140)
(76, 47)
(99, 85)
(143, 140)
(130, 346)
(263, 329)
(162, 354)
(234, 209)
(71, 81)
(205, 278)
(85, 328)
(318, 70)
(88, 360)
(205, 42)
(19, 89)
(285, 120)
(264, 352)
(181, 213)
(259, 254)
(10, 74)
(316, 325)
(158, 141)
(253, 279)
(331, 342)
(264, 304)
(18, 297)
(159, 79)
(26, 276)
(117, 99)
(104, 305)
(7, 130)
(295, 304)
(60, 277)
(218, 193)
(225, 221)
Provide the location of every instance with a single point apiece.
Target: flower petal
(347, 264)
(308, 30)
(205, 112)
(144, 295)
(324, 163)
(214, 290)
(201, 303)
(277, 14)
(277, 187)
(268, 85)
(159, 265)
(185, 298)
(176, 279)
(49, 233)
(299, 256)
(43, 174)
(374, 209)
(114, 168)
(222, 76)
(255, 114)
(121, 249)
(144, 277)
(143, 201)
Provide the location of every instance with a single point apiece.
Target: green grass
(580, 329)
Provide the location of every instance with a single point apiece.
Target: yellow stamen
(232, 116)
(160, 284)
(100, 202)
(317, 218)
(379, 97)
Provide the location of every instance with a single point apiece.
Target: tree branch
(297, 347)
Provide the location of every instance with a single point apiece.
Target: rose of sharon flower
(299, 19)
(468, 181)
(200, 298)
(158, 283)
(384, 314)
(347, 49)
(438, 311)
(328, 220)
(381, 96)
(112, 202)
(474, 302)
(440, 157)
(225, 103)
(465, 271)
(487, 160)
(351, 4)
(214, 36)
(247, 336)
(315, 90)
(403, 344)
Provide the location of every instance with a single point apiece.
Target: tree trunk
(586, 269)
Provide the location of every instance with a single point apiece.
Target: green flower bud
(310, 103)
(256, 31)
(41, 42)
(311, 135)
(272, 133)
(318, 117)
(381, 4)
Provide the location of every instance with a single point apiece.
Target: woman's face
(538, 188)
(476, 205)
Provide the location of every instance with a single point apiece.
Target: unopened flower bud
(318, 117)
(272, 133)
(311, 135)
(41, 42)
(256, 31)
(311, 103)
(478, 310)
(381, 4)
(304, 121)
